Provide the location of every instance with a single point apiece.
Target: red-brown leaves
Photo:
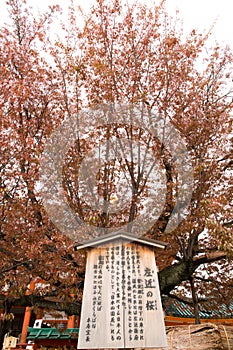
(120, 53)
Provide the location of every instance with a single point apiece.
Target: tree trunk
(195, 301)
(3, 331)
(173, 275)
(4, 323)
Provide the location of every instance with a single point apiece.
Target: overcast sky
(200, 14)
(203, 13)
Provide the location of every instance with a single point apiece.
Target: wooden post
(71, 321)
(27, 317)
(26, 322)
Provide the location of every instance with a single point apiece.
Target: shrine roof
(51, 333)
(181, 309)
(120, 235)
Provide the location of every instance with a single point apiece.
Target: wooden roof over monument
(126, 236)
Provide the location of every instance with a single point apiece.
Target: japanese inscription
(121, 304)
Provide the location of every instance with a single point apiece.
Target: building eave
(125, 236)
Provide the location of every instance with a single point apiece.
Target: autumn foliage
(117, 54)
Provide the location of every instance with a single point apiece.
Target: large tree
(119, 55)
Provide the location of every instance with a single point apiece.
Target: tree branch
(174, 275)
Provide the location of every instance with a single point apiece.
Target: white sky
(200, 14)
(203, 13)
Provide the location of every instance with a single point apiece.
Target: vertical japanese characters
(122, 290)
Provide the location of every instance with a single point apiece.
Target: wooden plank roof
(126, 236)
